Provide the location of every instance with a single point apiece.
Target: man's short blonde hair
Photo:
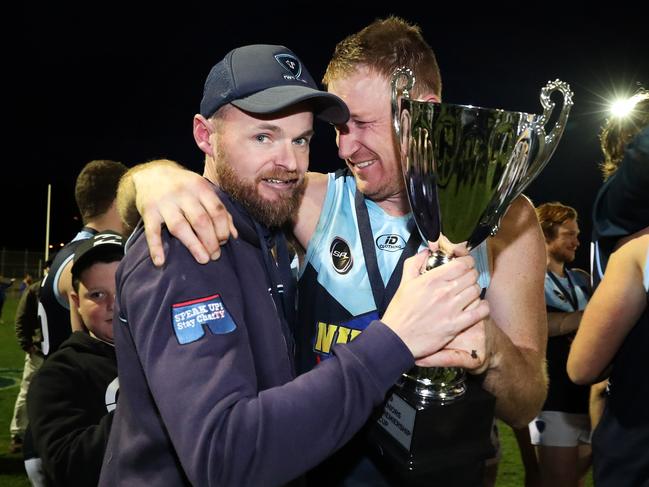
(383, 46)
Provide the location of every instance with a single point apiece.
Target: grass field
(12, 473)
(510, 472)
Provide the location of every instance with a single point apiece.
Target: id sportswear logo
(390, 242)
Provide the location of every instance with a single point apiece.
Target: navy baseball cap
(100, 246)
(264, 79)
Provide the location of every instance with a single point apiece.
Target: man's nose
(288, 157)
(347, 141)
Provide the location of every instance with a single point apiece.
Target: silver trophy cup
(463, 167)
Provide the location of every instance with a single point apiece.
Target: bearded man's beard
(273, 213)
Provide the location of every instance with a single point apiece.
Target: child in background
(72, 397)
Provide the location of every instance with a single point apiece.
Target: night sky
(123, 83)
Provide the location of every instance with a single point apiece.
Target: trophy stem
(441, 385)
(436, 259)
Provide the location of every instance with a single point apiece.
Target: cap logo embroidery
(290, 63)
(190, 318)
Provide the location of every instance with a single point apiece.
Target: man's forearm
(563, 323)
(518, 379)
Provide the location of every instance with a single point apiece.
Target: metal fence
(17, 263)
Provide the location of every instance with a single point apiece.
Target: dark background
(107, 81)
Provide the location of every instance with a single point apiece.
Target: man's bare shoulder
(316, 181)
(519, 218)
(634, 248)
(310, 208)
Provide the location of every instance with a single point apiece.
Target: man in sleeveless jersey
(561, 431)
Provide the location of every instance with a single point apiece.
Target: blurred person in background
(29, 335)
(612, 342)
(561, 431)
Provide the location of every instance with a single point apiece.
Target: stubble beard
(382, 191)
(388, 188)
(564, 256)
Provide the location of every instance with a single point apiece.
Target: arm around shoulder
(163, 192)
(130, 183)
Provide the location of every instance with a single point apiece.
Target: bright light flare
(620, 108)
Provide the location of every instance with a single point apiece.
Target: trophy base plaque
(420, 442)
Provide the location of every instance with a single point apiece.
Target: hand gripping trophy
(463, 166)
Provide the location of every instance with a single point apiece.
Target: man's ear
(75, 298)
(202, 132)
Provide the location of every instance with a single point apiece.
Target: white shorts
(555, 428)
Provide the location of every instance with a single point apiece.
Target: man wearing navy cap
(208, 394)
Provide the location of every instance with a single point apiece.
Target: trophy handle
(400, 76)
(547, 143)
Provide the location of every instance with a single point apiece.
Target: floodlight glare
(622, 107)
